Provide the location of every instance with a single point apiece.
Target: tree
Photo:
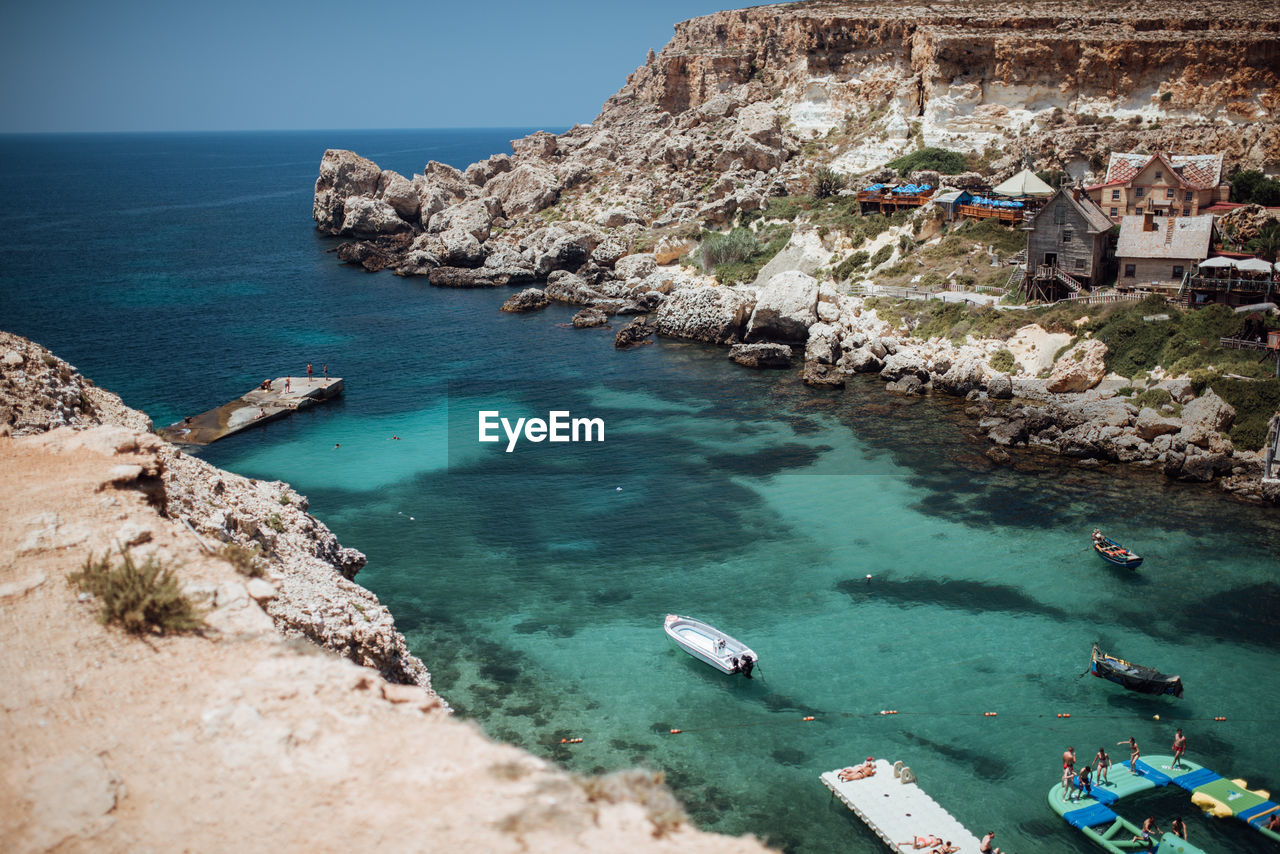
(1252, 187)
(827, 182)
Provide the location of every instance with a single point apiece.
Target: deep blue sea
(179, 270)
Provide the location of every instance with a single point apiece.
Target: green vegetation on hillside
(140, 599)
(938, 159)
(1252, 187)
(738, 255)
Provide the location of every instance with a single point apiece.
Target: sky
(185, 65)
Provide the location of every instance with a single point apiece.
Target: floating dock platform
(257, 407)
(1094, 817)
(899, 812)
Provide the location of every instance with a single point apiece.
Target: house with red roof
(1160, 184)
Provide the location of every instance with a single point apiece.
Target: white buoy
(617, 489)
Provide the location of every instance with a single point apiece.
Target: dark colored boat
(1113, 552)
(1144, 680)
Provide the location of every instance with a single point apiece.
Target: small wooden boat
(1144, 680)
(1113, 552)
(709, 644)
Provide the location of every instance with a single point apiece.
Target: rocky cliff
(237, 737)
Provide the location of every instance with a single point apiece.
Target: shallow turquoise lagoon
(534, 583)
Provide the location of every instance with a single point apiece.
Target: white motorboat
(709, 644)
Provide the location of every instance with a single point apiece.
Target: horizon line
(4, 133)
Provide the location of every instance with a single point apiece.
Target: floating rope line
(850, 716)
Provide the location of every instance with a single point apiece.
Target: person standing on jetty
(1134, 753)
(308, 372)
(324, 369)
(1179, 748)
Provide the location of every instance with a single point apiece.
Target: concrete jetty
(897, 810)
(256, 407)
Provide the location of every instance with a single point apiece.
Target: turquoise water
(179, 270)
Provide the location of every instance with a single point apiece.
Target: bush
(850, 265)
(140, 599)
(882, 254)
(1255, 402)
(1153, 397)
(827, 182)
(1003, 361)
(244, 560)
(938, 159)
(738, 245)
(1252, 187)
(274, 523)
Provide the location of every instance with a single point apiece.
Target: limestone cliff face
(969, 74)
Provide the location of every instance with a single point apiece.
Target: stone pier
(256, 407)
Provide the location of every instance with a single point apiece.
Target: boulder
(760, 122)
(786, 306)
(961, 378)
(636, 266)
(746, 153)
(529, 299)
(672, 248)
(860, 361)
(368, 217)
(1179, 389)
(824, 344)
(610, 250)
(1205, 417)
(480, 173)
(397, 191)
(1151, 424)
(1080, 368)
(909, 384)
(569, 288)
(526, 189)
(904, 363)
(589, 317)
(821, 376)
(460, 248)
(343, 175)
(761, 355)
(636, 332)
(714, 315)
(1012, 432)
(561, 246)
(461, 277)
(474, 216)
(618, 216)
(540, 145)
(440, 186)
(366, 254)
(1000, 387)
(505, 261)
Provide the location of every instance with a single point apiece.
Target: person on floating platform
(1083, 783)
(987, 847)
(945, 848)
(1178, 828)
(1134, 754)
(1069, 758)
(1150, 833)
(923, 842)
(1179, 749)
(1101, 763)
(857, 772)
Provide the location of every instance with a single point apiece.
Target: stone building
(1069, 244)
(1160, 184)
(1154, 253)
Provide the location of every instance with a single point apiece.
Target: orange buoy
(564, 741)
(988, 714)
(674, 731)
(1220, 718)
(1064, 714)
(809, 718)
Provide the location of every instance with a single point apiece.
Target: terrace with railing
(889, 198)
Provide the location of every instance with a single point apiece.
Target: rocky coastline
(742, 108)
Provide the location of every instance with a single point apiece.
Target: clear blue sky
(156, 65)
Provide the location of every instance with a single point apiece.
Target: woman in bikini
(923, 842)
(857, 772)
(1101, 763)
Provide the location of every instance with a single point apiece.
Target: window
(1187, 197)
(1059, 214)
(1066, 236)
(1177, 271)
(1129, 271)
(1114, 213)
(1168, 194)
(1079, 263)
(1186, 211)
(1115, 195)
(1141, 191)
(1159, 174)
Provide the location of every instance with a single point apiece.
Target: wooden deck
(256, 407)
(891, 202)
(1006, 216)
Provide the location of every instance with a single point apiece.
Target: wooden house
(1069, 247)
(1160, 184)
(1156, 253)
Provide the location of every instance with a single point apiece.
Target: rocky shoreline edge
(312, 594)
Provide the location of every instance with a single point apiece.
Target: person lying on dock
(857, 772)
(946, 848)
(1273, 823)
(923, 842)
